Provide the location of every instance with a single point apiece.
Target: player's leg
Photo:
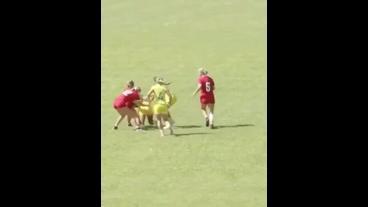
(162, 109)
(205, 114)
(157, 111)
(171, 120)
(135, 118)
(138, 120)
(168, 124)
(150, 119)
(211, 114)
(160, 124)
(142, 114)
(165, 114)
(173, 101)
(143, 118)
(150, 115)
(166, 120)
(122, 114)
(117, 122)
(136, 109)
(203, 100)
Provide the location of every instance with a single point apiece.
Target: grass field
(199, 167)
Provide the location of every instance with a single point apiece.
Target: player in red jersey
(124, 105)
(207, 98)
(129, 85)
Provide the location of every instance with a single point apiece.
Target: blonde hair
(161, 81)
(137, 88)
(202, 71)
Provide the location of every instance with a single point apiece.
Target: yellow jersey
(160, 92)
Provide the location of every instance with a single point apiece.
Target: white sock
(167, 125)
(210, 117)
(159, 124)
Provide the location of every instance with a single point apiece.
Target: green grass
(199, 167)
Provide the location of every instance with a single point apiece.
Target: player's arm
(170, 96)
(140, 97)
(139, 103)
(149, 92)
(150, 95)
(198, 88)
(137, 100)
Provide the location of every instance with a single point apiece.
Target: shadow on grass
(188, 134)
(188, 126)
(232, 126)
(153, 127)
(150, 127)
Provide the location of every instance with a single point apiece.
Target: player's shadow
(232, 126)
(188, 134)
(150, 127)
(188, 126)
(153, 127)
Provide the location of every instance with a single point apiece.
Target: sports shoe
(211, 126)
(129, 124)
(207, 122)
(115, 127)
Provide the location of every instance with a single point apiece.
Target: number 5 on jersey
(208, 86)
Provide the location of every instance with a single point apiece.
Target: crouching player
(124, 104)
(145, 111)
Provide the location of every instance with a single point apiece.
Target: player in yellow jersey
(167, 99)
(146, 111)
(158, 92)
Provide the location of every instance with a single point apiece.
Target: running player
(207, 98)
(160, 106)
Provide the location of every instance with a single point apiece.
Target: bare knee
(121, 113)
(203, 107)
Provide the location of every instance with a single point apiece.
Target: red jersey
(207, 85)
(126, 99)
